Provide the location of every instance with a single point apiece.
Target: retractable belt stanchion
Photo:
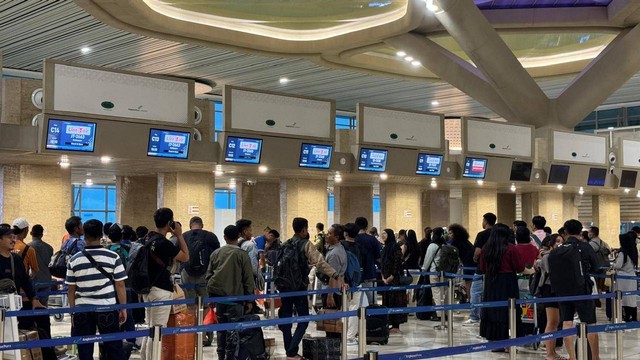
(371, 355)
(614, 288)
(272, 290)
(362, 330)
(450, 312)
(345, 323)
(199, 321)
(156, 342)
(512, 327)
(2, 318)
(618, 305)
(583, 344)
(442, 325)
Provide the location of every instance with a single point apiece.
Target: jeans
(370, 294)
(358, 299)
(292, 342)
(106, 323)
(157, 315)
(228, 341)
(477, 287)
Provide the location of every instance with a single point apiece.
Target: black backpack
(199, 254)
(140, 279)
(566, 274)
(291, 271)
(59, 261)
(449, 259)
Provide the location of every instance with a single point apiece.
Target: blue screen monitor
(429, 164)
(315, 156)
(71, 135)
(243, 150)
(168, 144)
(597, 177)
(474, 168)
(372, 160)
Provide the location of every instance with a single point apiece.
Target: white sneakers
(352, 342)
(471, 322)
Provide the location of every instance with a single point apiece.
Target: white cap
(21, 223)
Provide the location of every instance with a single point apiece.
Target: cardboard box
(332, 326)
(178, 294)
(30, 354)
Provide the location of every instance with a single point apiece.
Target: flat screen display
(429, 164)
(243, 150)
(558, 174)
(71, 135)
(628, 179)
(521, 171)
(475, 168)
(168, 144)
(315, 156)
(597, 177)
(372, 160)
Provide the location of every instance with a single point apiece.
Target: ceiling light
(434, 183)
(480, 182)
(431, 6)
(337, 179)
(610, 128)
(638, 194)
(513, 188)
(581, 190)
(409, 58)
(218, 173)
(435, 103)
(401, 53)
(416, 63)
(64, 165)
(105, 159)
(384, 176)
(85, 50)
(559, 186)
(626, 191)
(263, 169)
(284, 80)
(88, 182)
(232, 186)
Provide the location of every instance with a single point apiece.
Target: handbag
(405, 276)
(607, 280)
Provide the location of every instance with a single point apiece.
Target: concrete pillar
(16, 100)
(475, 203)
(352, 202)
(259, 203)
(40, 194)
(555, 206)
(455, 206)
(188, 194)
(435, 208)
(136, 200)
(506, 208)
(401, 207)
(302, 198)
(606, 216)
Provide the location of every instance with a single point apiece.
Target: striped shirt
(92, 287)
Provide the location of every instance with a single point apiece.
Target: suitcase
(252, 345)
(183, 346)
(377, 327)
(320, 348)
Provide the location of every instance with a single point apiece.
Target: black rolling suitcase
(377, 327)
(424, 298)
(319, 348)
(251, 345)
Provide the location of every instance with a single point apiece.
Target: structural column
(555, 206)
(40, 194)
(401, 207)
(606, 216)
(188, 194)
(259, 203)
(507, 208)
(475, 203)
(436, 206)
(136, 200)
(302, 198)
(352, 202)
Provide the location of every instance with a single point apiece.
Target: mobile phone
(172, 225)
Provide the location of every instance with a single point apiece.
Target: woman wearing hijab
(391, 272)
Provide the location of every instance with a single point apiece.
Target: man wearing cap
(44, 252)
(28, 253)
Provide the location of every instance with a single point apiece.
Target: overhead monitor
(168, 144)
(597, 177)
(628, 179)
(315, 156)
(474, 168)
(71, 135)
(243, 150)
(372, 160)
(521, 171)
(429, 164)
(558, 174)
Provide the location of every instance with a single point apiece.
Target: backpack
(138, 273)
(566, 275)
(133, 251)
(353, 275)
(449, 259)
(291, 271)
(122, 251)
(199, 254)
(602, 255)
(58, 263)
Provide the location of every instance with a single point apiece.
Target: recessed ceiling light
(513, 188)
(384, 176)
(64, 165)
(626, 191)
(409, 58)
(284, 80)
(85, 50)
(105, 159)
(263, 169)
(416, 63)
(560, 187)
(218, 173)
(581, 191)
(337, 179)
(435, 103)
(480, 182)
(434, 183)
(88, 182)
(401, 53)
(431, 6)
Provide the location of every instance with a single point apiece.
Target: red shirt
(528, 253)
(511, 261)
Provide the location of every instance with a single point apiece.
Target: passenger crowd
(108, 264)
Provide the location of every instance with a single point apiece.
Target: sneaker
(471, 322)
(352, 342)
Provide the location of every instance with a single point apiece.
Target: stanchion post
(345, 323)
(3, 314)
(199, 321)
(442, 314)
(614, 288)
(450, 312)
(618, 305)
(583, 344)
(371, 355)
(362, 331)
(156, 342)
(272, 289)
(512, 327)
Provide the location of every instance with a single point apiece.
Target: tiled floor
(420, 335)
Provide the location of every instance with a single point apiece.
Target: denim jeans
(228, 341)
(371, 295)
(301, 305)
(106, 323)
(477, 287)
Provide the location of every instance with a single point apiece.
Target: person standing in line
(44, 252)
(603, 251)
(424, 244)
(371, 249)
(431, 261)
(477, 287)
(626, 263)
(460, 240)
(28, 253)
(162, 254)
(391, 271)
(538, 234)
(141, 232)
(75, 242)
(357, 298)
(229, 274)
(551, 308)
(337, 258)
(95, 276)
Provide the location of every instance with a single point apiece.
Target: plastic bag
(211, 317)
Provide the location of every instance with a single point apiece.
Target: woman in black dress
(391, 271)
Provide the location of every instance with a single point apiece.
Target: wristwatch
(336, 276)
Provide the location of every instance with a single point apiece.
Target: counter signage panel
(71, 135)
(475, 168)
(628, 179)
(429, 164)
(243, 150)
(597, 177)
(558, 174)
(521, 171)
(372, 160)
(168, 144)
(315, 156)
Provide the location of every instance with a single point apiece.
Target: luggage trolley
(529, 314)
(59, 301)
